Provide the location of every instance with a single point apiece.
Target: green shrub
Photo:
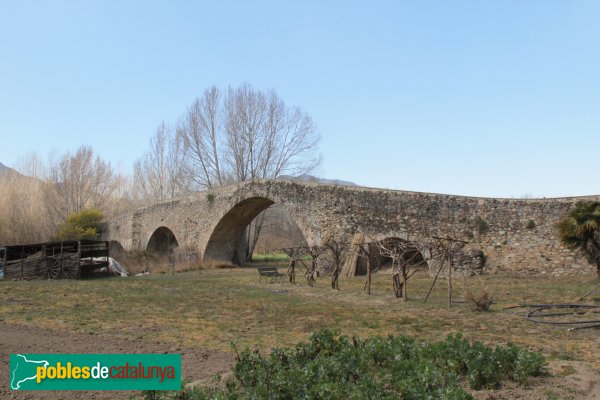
(210, 198)
(481, 225)
(332, 366)
(86, 224)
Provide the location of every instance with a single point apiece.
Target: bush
(86, 224)
(482, 225)
(210, 198)
(332, 366)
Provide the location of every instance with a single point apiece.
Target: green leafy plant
(210, 198)
(86, 224)
(580, 229)
(333, 366)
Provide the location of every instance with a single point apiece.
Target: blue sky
(487, 98)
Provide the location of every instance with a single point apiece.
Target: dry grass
(137, 262)
(212, 308)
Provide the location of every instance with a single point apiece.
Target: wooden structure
(70, 259)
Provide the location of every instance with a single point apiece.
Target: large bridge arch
(224, 243)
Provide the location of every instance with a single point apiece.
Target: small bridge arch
(162, 241)
(115, 247)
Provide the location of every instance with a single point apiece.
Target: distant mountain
(4, 169)
(310, 178)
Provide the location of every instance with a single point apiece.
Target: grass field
(212, 308)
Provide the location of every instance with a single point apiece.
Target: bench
(269, 273)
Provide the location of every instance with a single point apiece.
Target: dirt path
(197, 364)
(569, 380)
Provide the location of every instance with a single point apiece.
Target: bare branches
(407, 257)
(78, 181)
(406, 261)
(297, 254)
(337, 249)
(158, 175)
(35, 202)
(244, 135)
(23, 216)
(200, 133)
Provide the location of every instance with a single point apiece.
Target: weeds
(210, 198)
(136, 262)
(481, 225)
(479, 302)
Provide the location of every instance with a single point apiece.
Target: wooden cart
(71, 259)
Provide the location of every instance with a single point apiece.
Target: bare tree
(158, 174)
(266, 138)
(362, 247)
(406, 261)
(23, 217)
(78, 181)
(246, 134)
(296, 255)
(22, 213)
(200, 132)
(337, 249)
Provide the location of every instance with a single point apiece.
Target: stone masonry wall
(516, 236)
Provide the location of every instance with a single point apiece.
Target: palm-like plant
(580, 229)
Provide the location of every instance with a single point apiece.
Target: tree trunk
(253, 232)
(293, 271)
(404, 289)
(398, 287)
(368, 275)
(239, 256)
(334, 277)
(598, 267)
(450, 265)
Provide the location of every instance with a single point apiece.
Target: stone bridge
(516, 235)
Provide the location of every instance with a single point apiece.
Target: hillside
(4, 171)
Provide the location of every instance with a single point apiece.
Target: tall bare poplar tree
(200, 132)
(246, 134)
(243, 135)
(158, 175)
